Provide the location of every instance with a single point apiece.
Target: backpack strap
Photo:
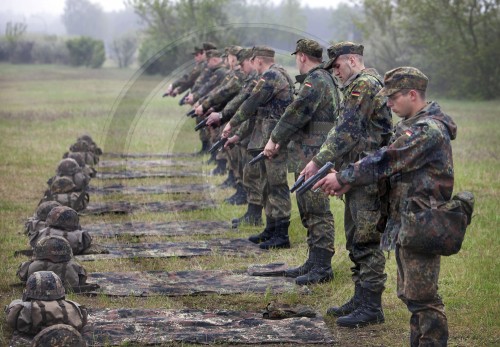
(64, 311)
(43, 311)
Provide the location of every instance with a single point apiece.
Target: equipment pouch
(432, 227)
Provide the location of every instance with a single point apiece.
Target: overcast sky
(55, 7)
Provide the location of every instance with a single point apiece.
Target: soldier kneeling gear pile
(60, 335)
(64, 221)
(79, 157)
(43, 305)
(37, 222)
(53, 253)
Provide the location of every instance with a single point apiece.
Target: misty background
(456, 43)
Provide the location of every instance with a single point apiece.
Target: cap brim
(388, 91)
(294, 52)
(330, 63)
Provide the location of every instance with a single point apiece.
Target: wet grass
(45, 108)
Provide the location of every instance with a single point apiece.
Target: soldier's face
(299, 62)
(247, 66)
(400, 104)
(198, 57)
(232, 61)
(342, 68)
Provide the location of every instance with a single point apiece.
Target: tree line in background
(455, 42)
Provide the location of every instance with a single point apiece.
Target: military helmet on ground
(62, 185)
(86, 138)
(80, 146)
(44, 285)
(60, 335)
(63, 217)
(53, 248)
(67, 167)
(79, 157)
(44, 208)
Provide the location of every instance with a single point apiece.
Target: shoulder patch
(408, 132)
(355, 93)
(307, 84)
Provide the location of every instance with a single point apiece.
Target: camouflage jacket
(232, 106)
(364, 123)
(228, 89)
(418, 163)
(187, 81)
(267, 102)
(202, 78)
(71, 273)
(217, 75)
(309, 118)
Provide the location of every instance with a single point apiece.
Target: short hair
(266, 60)
(312, 58)
(421, 93)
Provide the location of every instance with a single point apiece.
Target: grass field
(45, 108)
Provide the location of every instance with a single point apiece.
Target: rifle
(258, 158)
(218, 145)
(201, 124)
(325, 170)
(182, 100)
(297, 184)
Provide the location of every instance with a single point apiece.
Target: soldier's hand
(168, 91)
(226, 131)
(310, 170)
(214, 119)
(232, 140)
(175, 92)
(331, 186)
(189, 99)
(271, 149)
(199, 110)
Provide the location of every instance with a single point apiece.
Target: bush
(85, 51)
(50, 50)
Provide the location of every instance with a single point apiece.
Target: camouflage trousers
(361, 215)
(316, 217)
(238, 157)
(252, 182)
(276, 194)
(204, 132)
(418, 276)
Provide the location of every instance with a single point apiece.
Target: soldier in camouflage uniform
(269, 99)
(247, 177)
(307, 121)
(418, 163)
(218, 97)
(187, 80)
(363, 126)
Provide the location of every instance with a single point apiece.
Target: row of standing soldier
(325, 123)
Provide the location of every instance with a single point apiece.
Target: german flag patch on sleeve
(355, 93)
(307, 84)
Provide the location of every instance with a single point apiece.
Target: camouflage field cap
(341, 48)
(262, 51)
(243, 54)
(405, 77)
(59, 335)
(44, 285)
(44, 208)
(206, 46)
(213, 53)
(310, 47)
(233, 50)
(197, 50)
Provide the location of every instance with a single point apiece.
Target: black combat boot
(204, 147)
(239, 198)
(279, 238)
(302, 269)
(321, 270)
(348, 307)
(229, 182)
(220, 168)
(265, 235)
(369, 312)
(253, 217)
